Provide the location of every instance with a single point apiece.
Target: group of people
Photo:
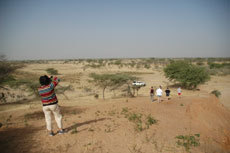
(159, 93)
(50, 101)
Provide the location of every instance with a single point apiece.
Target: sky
(74, 29)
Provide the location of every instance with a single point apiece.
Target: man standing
(179, 92)
(167, 91)
(159, 94)
(152, 94)
(50, 102)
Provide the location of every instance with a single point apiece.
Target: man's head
(44, 80)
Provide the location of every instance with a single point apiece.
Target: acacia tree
(101, 80)
(111, 81)
(122, 79)
(187, 74)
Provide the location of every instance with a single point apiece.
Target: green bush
(187, 74)
(96, 96)
(219, 69)
(147, 66)
(188, 141)
(137, 119)
(215, 65)
(150, 121)
(217, 93)
(52, 71)
(200, 63)
(31, 85)
(218, 66)
(6, 70)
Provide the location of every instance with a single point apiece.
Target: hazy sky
(68, 29)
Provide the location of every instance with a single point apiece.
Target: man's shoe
(61, 132)
(51, 134)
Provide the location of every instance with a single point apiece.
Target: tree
(6, 69)
(111, 80)
(187, 74)
(52, 71)
(122, 79)
(101, 80)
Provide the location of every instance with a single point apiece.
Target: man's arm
(54, 82)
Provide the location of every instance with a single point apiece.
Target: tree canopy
(187, 74)
(111, 80)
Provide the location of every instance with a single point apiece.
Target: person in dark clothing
(152, 94)
(167, 91)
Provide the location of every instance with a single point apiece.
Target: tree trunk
(103, 93)
(133, 91)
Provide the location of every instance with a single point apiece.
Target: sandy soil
(103, 126)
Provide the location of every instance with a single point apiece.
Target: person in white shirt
(179, 92)
(159, 94)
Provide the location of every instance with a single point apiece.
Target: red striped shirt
(47, 93)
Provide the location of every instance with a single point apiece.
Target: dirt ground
(109, 126)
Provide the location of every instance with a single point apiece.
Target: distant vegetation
(219, 68)
(215, 66)
(187, 74)
(6, 70)
(217, 93)
(8, 80)
(12, 79)
(52, 71)
(190, 72)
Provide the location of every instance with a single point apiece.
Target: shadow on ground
(83, 123)
(18, 140)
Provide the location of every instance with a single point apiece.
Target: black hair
(44, 80)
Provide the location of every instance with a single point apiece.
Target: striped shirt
(47, 93)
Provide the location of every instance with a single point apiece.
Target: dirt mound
(212, 118)
(124, 125)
